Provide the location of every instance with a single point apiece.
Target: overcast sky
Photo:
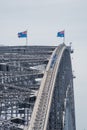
(43, 19)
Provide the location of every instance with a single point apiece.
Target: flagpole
(62, 35)
(64, 38)
(26, 40)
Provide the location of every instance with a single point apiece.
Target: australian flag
(22, 34)
(60, 34)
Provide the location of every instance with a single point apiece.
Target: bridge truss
(36, 84)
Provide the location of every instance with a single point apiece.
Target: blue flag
(60, 34)
(22, 34)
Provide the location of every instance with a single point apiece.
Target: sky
(42, 20)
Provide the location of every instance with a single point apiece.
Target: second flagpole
(26, 38)
(64, 37)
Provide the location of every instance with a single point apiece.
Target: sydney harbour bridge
(36, 88)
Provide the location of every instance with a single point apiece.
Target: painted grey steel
(40, 119)
(36, 86)
(21, 72)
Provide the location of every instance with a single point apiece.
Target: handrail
(40, 115)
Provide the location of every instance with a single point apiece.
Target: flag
(22, 34)
(60, 34)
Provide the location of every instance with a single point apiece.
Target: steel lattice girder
(36, 80)
(21, 71)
